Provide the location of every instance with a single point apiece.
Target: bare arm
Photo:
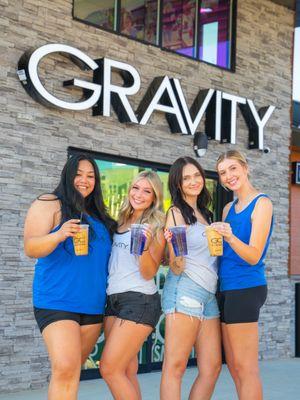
(41, 218)
(226, 210)
(177, 264)
(151, 258)
(261, 224)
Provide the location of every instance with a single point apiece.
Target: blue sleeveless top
(66, 282)
(234, 272)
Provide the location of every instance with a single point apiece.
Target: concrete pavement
(281, 381)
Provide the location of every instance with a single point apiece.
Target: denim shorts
(182, 294)
(134, 306)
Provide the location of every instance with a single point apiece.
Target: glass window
(115, 180)
(101, 13)
(178, 26)
(198, 29)
(139, 19)
(296, 78)
(215, 32)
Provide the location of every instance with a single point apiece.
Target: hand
(224, 229)
(147, 231)
(168, 235)
(178, 265)
(68, 229)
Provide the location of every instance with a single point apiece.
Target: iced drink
(215, 242)
(81, 241)
(137, 239)
(179, 240)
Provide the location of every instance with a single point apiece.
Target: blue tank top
(63, 281)
(234, 272)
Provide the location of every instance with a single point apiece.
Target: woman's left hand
(147, 231)
(224, 229)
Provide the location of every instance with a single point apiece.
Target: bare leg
(209, 360)
(89, 337)
(243, 339)
(229, 358)
(63, 343)
(133, 366)
(123, 343)
(181, 333)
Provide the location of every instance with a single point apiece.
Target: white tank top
(200, 266)
(123, 269)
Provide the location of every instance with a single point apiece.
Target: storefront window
(116, 176)
(178, 26)
(215, 32)
(202, 30)
(296, 78)
(99, 13)
(139, 19)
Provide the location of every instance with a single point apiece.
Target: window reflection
(178, 26)
(215, 32)
(296, 78)
(200, 29)
(139, 19)
(99, 13)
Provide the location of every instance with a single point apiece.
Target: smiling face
(233, 174)
(84, 180)
(192, 181)
(141, 195)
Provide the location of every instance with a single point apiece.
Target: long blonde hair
(153, 215)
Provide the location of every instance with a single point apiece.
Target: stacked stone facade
(34, 142)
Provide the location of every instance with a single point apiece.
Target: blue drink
(137, 239)
(179, 240)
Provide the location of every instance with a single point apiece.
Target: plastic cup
(137, 239)
(179, 240)
(81, 241)
(215, 242)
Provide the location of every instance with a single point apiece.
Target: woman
(246, 230)
(192, 314)
(69, 291)
(133, 303)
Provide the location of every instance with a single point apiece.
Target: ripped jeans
(182, 294)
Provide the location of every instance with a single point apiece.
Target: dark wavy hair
(73, 204)
(175, 188)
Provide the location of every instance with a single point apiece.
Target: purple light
(205, 10)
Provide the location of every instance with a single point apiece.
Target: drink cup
(215, 242)
(81, 241)
(179, 240)
(137, 239)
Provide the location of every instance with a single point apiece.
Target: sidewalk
(281, 381)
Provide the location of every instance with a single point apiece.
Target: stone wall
(34, 142)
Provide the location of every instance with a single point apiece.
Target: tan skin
(182, 331)
(124, 339)
(68, 343)
(241, 340)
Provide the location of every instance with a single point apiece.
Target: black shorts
(134, 306)
(242, 305)
(45, 317)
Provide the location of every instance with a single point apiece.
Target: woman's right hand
(168, 235)
(68, 229)
(178, 265)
